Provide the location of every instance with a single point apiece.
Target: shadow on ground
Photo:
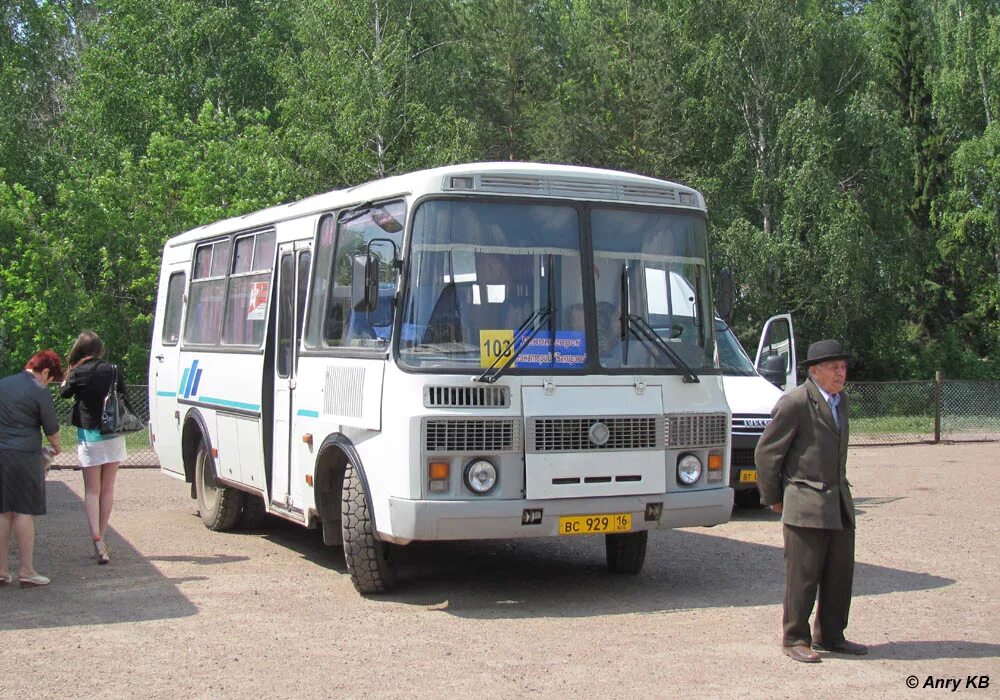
(130, 589)
(568, 577)
(934, 650)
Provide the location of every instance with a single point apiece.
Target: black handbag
(117, 416)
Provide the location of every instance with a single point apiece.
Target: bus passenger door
(293, 276)
(164, 412)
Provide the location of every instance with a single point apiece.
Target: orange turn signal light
(714, 462)
(308, 439)
(439, 470)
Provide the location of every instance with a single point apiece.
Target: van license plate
(590, 524)
(748, 476)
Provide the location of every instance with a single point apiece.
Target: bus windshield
(732, 356)
(493, 283)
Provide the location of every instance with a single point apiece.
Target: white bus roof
(510, 178)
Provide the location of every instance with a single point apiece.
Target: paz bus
(473, 352)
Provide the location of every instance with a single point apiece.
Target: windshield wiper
(527, 330)
(643, 331)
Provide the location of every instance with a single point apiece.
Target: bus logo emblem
(599, 434)
(189, 381)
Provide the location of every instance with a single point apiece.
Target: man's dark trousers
(817, 559)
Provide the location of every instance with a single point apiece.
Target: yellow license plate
(748, 476)
(590, 524)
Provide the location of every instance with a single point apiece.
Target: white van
(752, 389)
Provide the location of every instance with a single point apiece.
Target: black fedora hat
(824, 350)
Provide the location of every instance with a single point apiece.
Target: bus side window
(361, 233)
(172, 309)
(305, 258)
(249, 289)
(207, 294)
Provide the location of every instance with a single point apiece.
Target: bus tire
(366, 556)
(626, 552)
(254, 514)
(219, 507)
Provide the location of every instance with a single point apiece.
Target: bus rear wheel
(366, 556)
(219, 507)
(626, 552)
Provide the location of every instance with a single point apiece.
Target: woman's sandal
(103, 554)
(6, 580)
(34, 581)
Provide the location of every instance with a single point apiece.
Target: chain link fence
(882, 413)
(939, 410)
(140, 452)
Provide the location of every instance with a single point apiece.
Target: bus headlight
(480, 476)
(688, 469)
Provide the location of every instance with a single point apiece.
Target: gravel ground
(182, 612)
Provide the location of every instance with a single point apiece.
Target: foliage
(849, 152)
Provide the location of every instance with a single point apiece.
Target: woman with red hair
(25, 407)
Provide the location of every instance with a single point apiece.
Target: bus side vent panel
(344, 392)
(696, 430)
(512, 183)
(466, 397)
(574, 187)
(649, 193)
(460, 436)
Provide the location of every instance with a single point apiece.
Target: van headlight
(688, 469)
(480, 476)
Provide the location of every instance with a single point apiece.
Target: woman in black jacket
(88, 382)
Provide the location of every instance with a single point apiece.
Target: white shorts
(93, 454)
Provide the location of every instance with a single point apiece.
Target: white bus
(492, 350)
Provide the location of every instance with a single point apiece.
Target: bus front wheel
(219, 507)
(366, 556)
(626, 552)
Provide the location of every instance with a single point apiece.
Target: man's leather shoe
(844, 647)
(800, 652)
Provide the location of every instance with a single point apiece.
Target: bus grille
(471, 435)
(576, 434)
(742, 457)
(466, 397)
(750, 423)
(696, 430)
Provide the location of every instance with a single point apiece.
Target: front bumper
(483, 519)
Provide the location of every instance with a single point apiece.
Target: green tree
(194, 172)
(356, 106)
(35, 291)
(37, 55)
(616, 101)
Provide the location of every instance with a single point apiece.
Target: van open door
(776, 360)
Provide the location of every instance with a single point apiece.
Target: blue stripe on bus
(231, 404)
(197, 379)
(167, 394)
(190, 379)
(184, 379)
(308, 414)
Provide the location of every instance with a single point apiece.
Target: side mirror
(364, 283)
(725, 306)
(774, 370)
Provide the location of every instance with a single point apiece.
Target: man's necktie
(833, 401)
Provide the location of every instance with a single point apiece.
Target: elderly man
(802, 474)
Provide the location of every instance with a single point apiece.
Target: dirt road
(183, 612)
